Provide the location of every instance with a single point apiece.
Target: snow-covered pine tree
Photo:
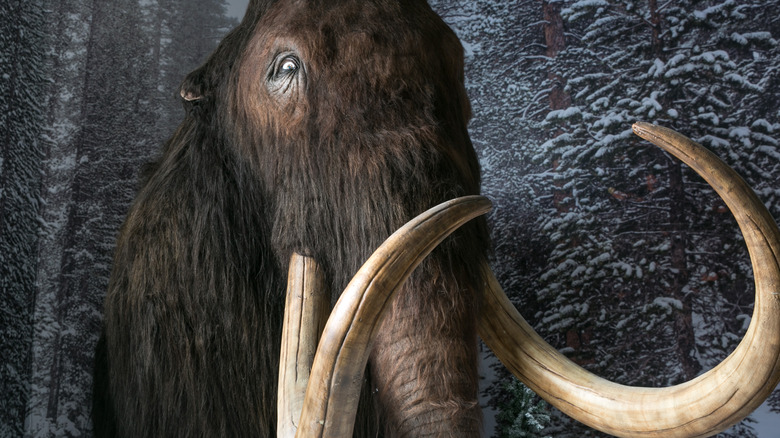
(185, 33)
(21, 86)
(103, 120)
(98, 161)
(643, 248)
(67, 29)
(523, 414)
(501, 42)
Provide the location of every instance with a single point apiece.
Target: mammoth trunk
(424, 360)
(423, 365)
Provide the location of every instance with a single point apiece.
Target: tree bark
(685, 336)
(555, 40)
(683, 319)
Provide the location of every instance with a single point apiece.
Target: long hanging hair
(374, 136)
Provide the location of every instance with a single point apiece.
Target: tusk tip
(478, 203)
(665, 138)
(643, 129)
(483, 202)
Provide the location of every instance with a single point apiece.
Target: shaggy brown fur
(318, 127)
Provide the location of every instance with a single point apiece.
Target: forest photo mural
(618, 255)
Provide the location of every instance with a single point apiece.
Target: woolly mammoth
(313, 132)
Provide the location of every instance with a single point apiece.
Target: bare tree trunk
(65, 287)
(685, 336)
(683, 319)
(556, 41)
(62, 94)
(655, 22)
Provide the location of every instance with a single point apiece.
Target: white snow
(668, 303)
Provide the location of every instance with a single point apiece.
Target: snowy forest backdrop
(618, 255)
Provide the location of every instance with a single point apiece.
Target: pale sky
(236, 8)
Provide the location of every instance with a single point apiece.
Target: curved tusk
(701, 407)
(337, 374)
(305, 311)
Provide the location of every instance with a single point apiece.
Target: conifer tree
(503, 42)
(523, 414)
(21, 86)
(99, 124)
(643, 248)
(185, 33)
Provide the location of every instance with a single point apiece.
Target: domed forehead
(338, 30)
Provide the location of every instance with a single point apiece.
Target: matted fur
(370, 132)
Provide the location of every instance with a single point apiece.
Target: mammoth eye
(288, 65)
(286, 73)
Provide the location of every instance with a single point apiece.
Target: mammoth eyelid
(283, 65)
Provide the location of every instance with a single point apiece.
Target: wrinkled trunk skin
(420, 369)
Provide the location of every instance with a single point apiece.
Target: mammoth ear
(193, 88)
(201, 82)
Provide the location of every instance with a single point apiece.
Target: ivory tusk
(337, 373)
(305, 311)
(701, 407)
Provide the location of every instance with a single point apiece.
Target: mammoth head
(373, 89)
(353, 115)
